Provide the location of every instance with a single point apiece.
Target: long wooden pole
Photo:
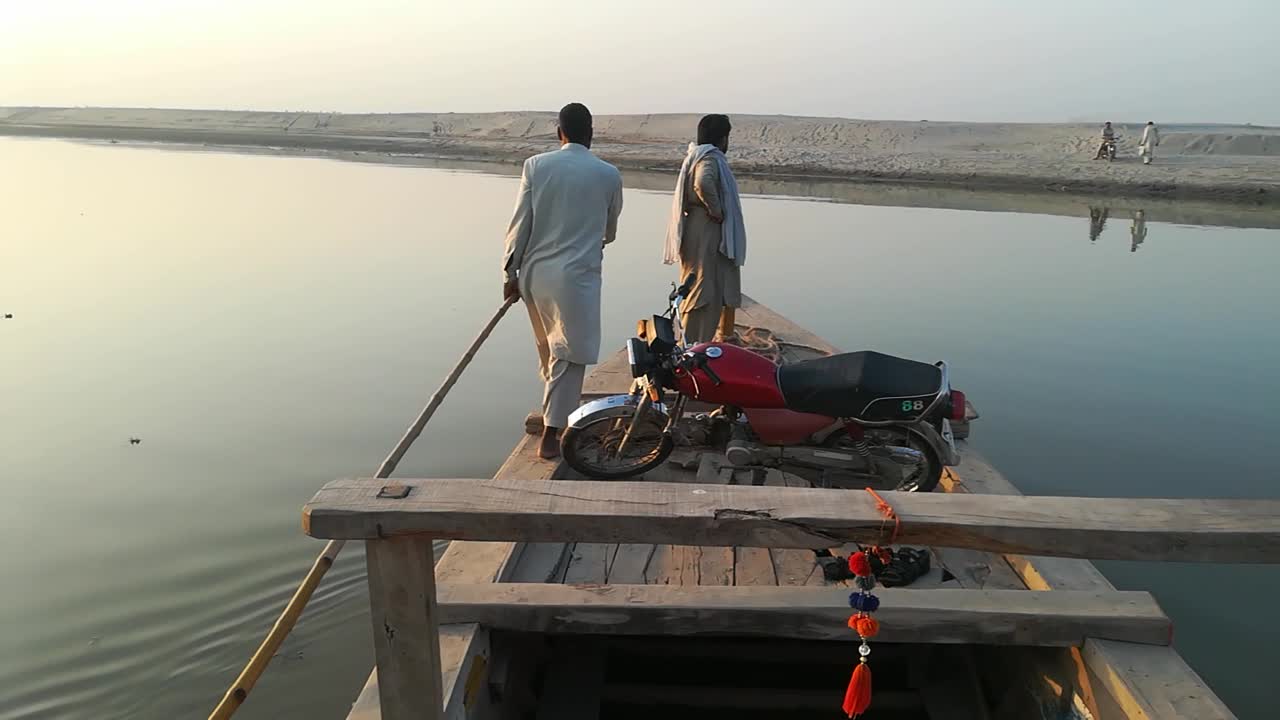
(240, 689)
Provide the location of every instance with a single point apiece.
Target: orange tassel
(867, 626)
(858, 697)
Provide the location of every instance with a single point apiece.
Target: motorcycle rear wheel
(589, 446)
(926, 476)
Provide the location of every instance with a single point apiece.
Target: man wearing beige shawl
(707, 236)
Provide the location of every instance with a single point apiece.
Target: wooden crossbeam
(783, 517)
(989, 617)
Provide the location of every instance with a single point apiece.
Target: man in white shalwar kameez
(1150, 139)
(566, 212)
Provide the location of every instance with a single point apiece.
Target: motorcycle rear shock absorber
(859, 439)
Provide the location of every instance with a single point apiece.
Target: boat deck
(592, 676)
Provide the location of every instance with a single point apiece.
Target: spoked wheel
(904, 461)
(610, 446)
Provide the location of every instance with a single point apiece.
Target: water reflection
(1097, 221)
(1138, 231)
(1098, 217)
(306, 350)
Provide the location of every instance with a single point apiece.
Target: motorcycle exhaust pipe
(905, 455)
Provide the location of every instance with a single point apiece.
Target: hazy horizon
(980, 61)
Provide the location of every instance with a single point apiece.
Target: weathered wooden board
(629, 563)
(464, 653)
(464, 649)
(727, 515)
(402, 594)
(997, 617)
(791, 567)
(674, 565)
(1142, 682)
(588, 563)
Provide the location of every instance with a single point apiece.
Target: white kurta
(566, 212)
(1150, 139)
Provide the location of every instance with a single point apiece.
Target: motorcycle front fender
(611, 406)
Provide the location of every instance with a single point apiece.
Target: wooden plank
(611, 377)
(588, 564)
(674, 565)
(1142, 681)
(471, 562)
(726, 515)
(402, 599)
(464, 653)
(715, 564)
(997, 617)
(753, 566)
(1150, 685)
(977, 569)
(790, 567)
(537, 562)
(629, 563)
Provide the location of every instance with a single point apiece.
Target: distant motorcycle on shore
(1107, 150)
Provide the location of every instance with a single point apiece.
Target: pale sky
(1018, 60)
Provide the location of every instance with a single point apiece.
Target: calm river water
(265, 324)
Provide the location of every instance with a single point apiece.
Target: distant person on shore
(1108, 138)
(566, 212)
(707, 236)
(1150, 139)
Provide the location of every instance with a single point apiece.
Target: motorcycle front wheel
(921, 476)
(594, 447)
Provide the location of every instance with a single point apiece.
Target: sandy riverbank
(1210, 162)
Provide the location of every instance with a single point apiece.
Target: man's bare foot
(549, 448)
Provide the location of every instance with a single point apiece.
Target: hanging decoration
(857, 698)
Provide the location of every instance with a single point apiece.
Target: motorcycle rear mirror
(683, 290)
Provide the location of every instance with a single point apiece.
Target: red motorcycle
(864, 418)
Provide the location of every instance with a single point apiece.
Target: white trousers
(563, 392)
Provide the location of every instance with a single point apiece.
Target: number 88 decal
(910, 405)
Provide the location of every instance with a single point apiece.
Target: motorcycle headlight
(640, 358)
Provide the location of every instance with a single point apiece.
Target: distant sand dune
(1239, 162)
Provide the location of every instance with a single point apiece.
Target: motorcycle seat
(865, 385)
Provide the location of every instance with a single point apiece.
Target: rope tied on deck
(886, 511)
(763, 342)
(857, 697)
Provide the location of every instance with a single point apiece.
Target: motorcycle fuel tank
(747, 380)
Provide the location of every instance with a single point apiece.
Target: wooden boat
(752, 648)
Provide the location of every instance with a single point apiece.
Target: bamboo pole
(240, 689)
